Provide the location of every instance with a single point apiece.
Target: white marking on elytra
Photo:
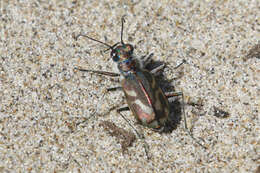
(131, 93)
(148, 110)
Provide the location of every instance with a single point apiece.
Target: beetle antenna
(110, 47)
(122, 28)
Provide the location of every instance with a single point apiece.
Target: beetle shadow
(175, 116)
(175, 102)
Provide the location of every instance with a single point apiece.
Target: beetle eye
(114, 56)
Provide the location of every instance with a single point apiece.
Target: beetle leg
(146, 59)
(183, 61)
(156, 70)
(173, 94)
(114, 88)
(140, 136)
(106, 73)
(86, 119)
(125, 108)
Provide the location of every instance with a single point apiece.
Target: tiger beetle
(144, 96)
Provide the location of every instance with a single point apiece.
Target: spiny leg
(156, 71)
(93, 114)
(125, 108)
(140, 136)
(174, 94)
(114, 88)
(86, 119)
(146, 59)
(106, 73)
(183, 61)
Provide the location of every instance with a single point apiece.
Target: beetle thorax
(126, 67)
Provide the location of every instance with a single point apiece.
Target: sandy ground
(45, 104)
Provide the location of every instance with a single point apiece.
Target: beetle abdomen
(146, 99)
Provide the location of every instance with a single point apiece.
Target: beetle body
(146, 99)
(143, 95)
